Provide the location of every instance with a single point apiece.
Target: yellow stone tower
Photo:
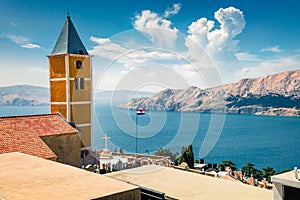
(71, 81)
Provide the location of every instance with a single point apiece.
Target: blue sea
(262, 140)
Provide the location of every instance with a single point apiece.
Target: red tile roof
(23, 133)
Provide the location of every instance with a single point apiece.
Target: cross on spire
(106, 138)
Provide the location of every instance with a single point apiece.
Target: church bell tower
(71, 81)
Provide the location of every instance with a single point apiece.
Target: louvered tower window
(79, 83)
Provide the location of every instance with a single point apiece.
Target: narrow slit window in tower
(79, 83)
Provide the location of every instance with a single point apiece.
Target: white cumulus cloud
(159, 29)
(208, 43)
(173, 10)
(106, 48)
(231, 19)
(218, 42)
(129, 57)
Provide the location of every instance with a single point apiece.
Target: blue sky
(157, 44)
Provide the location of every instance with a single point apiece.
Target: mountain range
(276, 94)
(27, 95)
(24, 95)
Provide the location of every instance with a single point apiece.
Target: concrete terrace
(180, 184)
(24, 177)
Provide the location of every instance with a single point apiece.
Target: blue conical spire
(69, 41)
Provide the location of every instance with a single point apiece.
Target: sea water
(262, 140)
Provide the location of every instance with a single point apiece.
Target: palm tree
(268, 172)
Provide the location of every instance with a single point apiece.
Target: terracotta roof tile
(23, 133)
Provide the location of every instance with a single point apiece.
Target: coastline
(245, 110)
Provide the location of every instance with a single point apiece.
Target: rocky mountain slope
(24, 95)
(277, 94)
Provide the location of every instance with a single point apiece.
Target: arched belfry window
(78, 64)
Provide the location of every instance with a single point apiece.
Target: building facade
(286, 185)
(71, 82)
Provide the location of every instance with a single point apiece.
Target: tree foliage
(268, 172)
(249, 169)
(187, 155)
(227, 163)
(167, 152)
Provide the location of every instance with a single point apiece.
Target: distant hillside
(277, 94)
(117, 97)
(24, 95)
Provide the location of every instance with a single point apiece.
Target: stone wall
(134, 194)
(66, 147)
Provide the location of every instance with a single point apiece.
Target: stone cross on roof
(105, 138)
